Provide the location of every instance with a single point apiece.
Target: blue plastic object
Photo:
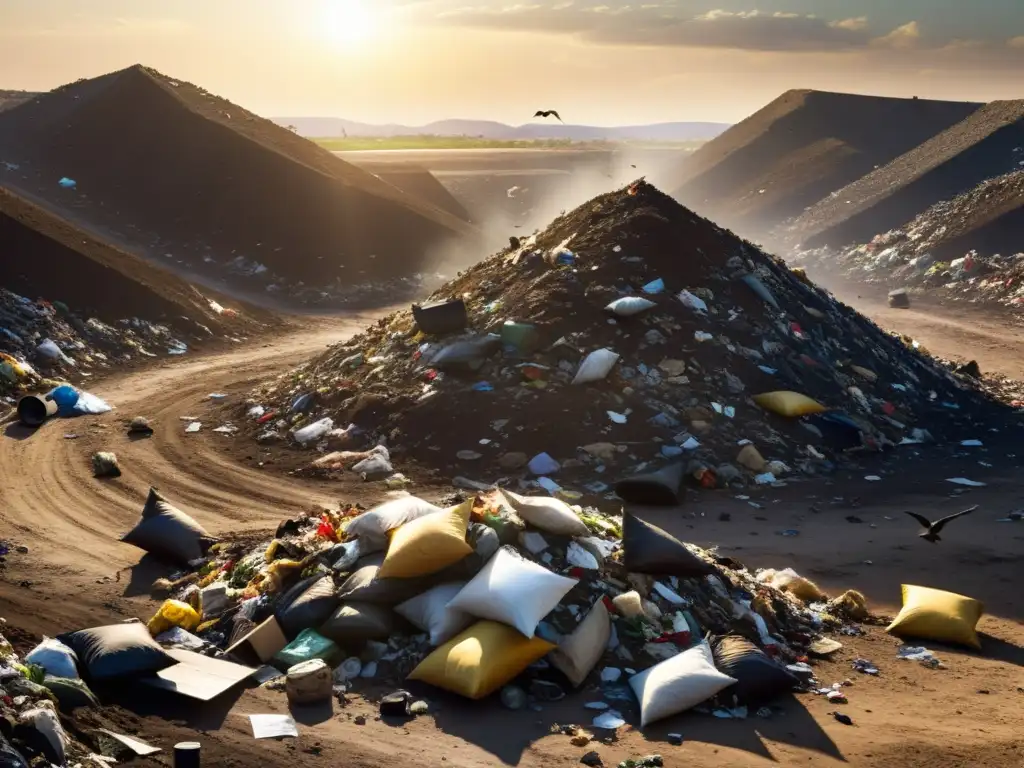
(66, 398)
(67, 183)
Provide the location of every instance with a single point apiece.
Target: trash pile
(955, 245)
(34, 691)
(628, 335)
(44, 343)
(498, 591)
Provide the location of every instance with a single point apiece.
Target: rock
(513, 697)
(359, 720)
(675, 739)
(513, 461)
(602, 451)
(899, 298)
(468, 455)
(104, 464)
(592, 759)
(140, 426)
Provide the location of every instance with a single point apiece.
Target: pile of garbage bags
(495, 591)
(628, 335)
(43, 343)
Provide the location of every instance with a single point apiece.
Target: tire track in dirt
(50, 502)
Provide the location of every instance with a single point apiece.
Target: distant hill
(800, 148)
(989, 143)
(323, 127)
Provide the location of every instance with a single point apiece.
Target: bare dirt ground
(75, 573)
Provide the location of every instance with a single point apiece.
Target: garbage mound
(967, 247)
(984, 145)
(800, 147)
(181, 173)
(102, 306)
(556, 597)
(629, 334)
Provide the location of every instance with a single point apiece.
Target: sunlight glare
(351, 22)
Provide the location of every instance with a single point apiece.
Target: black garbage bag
(306, 605)
(759, 678)
(168, 533)
(647, 548)
(658, 489)
(10, 757)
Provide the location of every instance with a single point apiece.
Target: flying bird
(549, 113)
(931, 530)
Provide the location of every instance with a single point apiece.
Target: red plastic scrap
(266, 417)
(679, 638)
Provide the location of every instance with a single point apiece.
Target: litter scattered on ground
(273, 726)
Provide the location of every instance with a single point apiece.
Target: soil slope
(167, 164)
(420, 183)
(986, 144)
(11, 99)
(45, 256)
(798, 149)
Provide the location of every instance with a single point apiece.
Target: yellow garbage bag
(428, 544)
(786, 403)
(174, 613)
(944, 617)
(480, 660)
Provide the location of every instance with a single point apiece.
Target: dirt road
(969, 714)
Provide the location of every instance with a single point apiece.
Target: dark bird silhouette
(931, 530)
(549, 113)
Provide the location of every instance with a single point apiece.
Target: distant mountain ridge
(323, 127)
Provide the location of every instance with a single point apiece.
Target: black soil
(801, 147)
(985, 145)
(164, 163)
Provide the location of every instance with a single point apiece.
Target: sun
(351, 22)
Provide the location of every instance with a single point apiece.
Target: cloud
(907, 36)
(664, 24)
(1016, 42)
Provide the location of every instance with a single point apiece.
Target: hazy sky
(600, 62)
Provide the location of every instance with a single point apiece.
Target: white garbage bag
(596, 366)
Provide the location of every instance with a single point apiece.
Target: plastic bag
(174, 613)
(44, 719)
(596, 366)
(49, 350)
(55, 657)
(66, 397)
(375, 465)
(310, 644)
(90, 405)
(695, 303)
(628, 306)
(313, 432)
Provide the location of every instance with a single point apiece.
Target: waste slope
(684, 383)
(987, 144)
(801, 147)
(166, 160)
(47, 256)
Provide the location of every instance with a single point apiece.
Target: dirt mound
(177, 170)
(732, 323)
(801, 147)
(989, 143)
(420, 183)
(71, 288)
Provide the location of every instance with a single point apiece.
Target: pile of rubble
(628, 334)
(562, 597)
(43, 343)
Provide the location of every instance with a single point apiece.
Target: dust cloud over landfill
(624, 423)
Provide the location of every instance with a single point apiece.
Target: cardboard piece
(140, 748)
(262, 643)
(198, 676)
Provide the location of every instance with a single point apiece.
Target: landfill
(629, 335)
(964, 249)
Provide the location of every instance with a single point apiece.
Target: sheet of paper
(273, 726)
